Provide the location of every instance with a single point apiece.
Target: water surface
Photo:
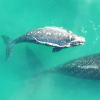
(16, 18)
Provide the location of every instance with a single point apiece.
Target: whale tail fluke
(10, 45)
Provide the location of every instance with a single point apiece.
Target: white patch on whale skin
(56, 28)
(48, 33)
(89, 66)
(52, 44)
(59, 29)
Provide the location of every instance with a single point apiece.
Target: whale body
(56, 37)
(87, 67)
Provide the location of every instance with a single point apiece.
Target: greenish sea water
(19, 16)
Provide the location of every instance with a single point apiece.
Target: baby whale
(87, 67)
(51, 36)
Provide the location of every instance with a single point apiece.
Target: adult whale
(52, 36)
(87, 67)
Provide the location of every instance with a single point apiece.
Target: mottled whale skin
(87, 67)
(51, 36)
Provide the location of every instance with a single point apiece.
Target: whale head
(77, 40)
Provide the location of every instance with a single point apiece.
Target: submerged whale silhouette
(87, 67)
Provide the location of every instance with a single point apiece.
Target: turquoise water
(16, 18)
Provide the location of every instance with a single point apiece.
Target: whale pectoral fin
(56, 49)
